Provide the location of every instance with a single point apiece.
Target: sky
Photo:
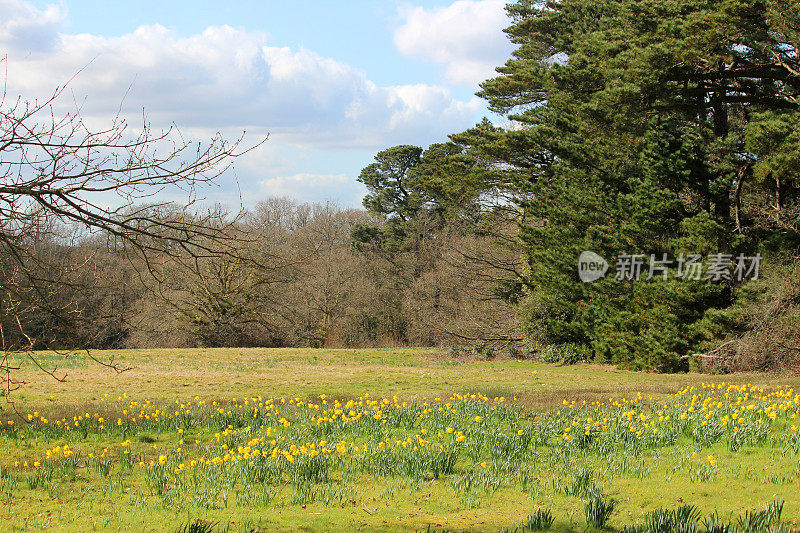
(331, 82)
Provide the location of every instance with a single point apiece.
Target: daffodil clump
(285, 451)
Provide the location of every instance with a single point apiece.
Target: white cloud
(226, 79)
(466, 38)
(22, 26)
(222, 79)
(306, 187)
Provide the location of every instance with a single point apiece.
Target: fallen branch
(709, 354)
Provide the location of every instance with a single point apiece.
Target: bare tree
(60, 178)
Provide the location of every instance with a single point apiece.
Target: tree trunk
(722, 207)
(737, 198)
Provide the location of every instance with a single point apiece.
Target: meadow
(393, 439)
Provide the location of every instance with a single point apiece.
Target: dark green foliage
(686, 519)
(416, 191)
(540, 520)
(568, 354)
(450, 179)
(405, 180)
(767, 519)
(583, 484)
(392, 191)
(598, 510)
(713, 524)
(364, 237)
(198, 526)
(665, 127)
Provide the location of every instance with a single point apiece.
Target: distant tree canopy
(406, 182)
(660, 127)
(393, 191)
(64, 184)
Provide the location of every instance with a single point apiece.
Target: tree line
(89, 259)
(290, 275)
(661, 129)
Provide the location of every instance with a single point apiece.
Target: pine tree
(643, 127)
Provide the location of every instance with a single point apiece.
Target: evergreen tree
(651, 127)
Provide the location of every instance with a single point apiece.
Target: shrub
(568, 354)
(686, 519)
(598, 510)
(483, 351)
(198, 526)
(540, 520)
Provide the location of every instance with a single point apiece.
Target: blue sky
(331, 82)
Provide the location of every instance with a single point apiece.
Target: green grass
(516, 459)
(224, 373)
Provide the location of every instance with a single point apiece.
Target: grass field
(392, 439)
